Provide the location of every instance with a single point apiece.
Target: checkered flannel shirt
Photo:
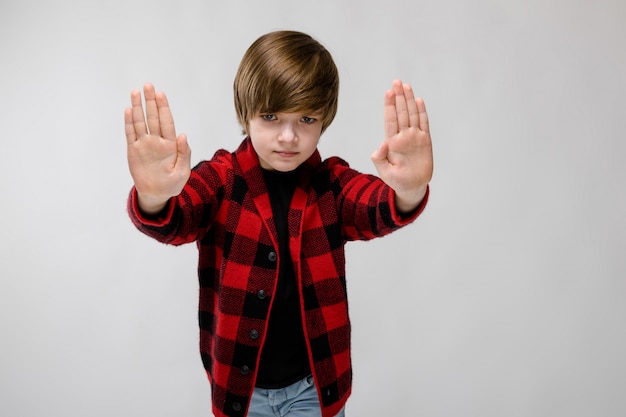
(225, 208)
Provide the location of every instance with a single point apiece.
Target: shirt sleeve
(367, 204)
(149, 220)
(187, 216)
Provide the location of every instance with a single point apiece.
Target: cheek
(311, 145)
(314, 134)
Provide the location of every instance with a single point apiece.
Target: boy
(271, 220)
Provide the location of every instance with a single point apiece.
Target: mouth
(286, 154)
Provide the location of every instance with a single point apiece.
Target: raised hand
(159, 161)
(405, 158)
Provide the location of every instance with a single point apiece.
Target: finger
(401, 105)
(152, 111)
(413, 112)
(422, 115)
(129, 128)
(391, 116)
(166, 121)
(139, 123)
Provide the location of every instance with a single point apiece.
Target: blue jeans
(297, 400)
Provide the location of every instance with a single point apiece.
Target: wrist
(407, 201)
(150, 205)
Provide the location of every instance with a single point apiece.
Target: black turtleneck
(284, 359)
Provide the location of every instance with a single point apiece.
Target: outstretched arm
(405, 158)
(159, 161)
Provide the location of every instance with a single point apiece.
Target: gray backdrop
(506, 298)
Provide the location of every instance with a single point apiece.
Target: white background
(506, 298)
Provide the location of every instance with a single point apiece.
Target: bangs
(303, 85)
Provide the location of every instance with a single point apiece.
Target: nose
(287, 133)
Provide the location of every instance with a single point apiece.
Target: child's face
(283, 141)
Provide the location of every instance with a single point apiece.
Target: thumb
(380, 155)
(183, 149)
(182, 146)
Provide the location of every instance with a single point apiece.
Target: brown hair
(286, 71)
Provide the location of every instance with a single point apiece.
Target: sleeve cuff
(158, 219)
(406, 218)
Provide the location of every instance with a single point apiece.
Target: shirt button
(237, 406)
(261, 294)
(271, 256)
(254, 334)
(245, 370)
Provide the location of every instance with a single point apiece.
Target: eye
(308, 120)
(268, 117)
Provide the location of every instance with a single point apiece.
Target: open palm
(405, 158)
(159, 161)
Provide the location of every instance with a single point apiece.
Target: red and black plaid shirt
(225, 208)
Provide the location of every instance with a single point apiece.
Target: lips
(286, 154)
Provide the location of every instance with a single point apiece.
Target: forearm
(369, 206)
(180, 219)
